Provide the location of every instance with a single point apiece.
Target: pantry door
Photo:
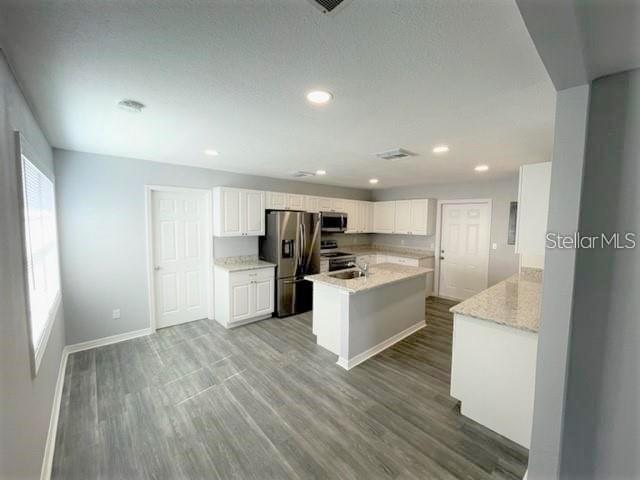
(180, 256)
(464, 249)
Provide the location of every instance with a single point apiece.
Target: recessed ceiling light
(321, 172)
(441, 149)
(373, 181)
(132, 106)
(211, 152)
(481, 168)
(319, 97)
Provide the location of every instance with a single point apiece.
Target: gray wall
(557, 295)
(602, 425)
(25, 402)
(503, 262)
(102, 233)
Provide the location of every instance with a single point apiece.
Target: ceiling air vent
(302, 173)
(395, 154)
(327, 6)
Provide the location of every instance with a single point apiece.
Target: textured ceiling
(232, 75)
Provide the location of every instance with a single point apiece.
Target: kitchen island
(495, 343)
(356, 318)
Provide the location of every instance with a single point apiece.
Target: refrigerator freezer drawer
(294, 296)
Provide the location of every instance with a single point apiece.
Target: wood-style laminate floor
(263, 401)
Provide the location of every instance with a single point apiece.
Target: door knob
(157, 268)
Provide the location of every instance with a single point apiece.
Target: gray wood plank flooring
(263, 401)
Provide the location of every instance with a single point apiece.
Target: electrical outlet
(116, 314)
(402, 241)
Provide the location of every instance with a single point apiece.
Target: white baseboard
(100, 342)
(361, 357)
(47, 460)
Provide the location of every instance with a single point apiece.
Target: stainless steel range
(337, 260)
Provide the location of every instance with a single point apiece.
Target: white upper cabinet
(533, 208)
(423, 217)
(384, 217)
(364, 225)
(276, 201)
(325, 204)
(407, 217)
(286, 201)
(296, 202)
(338, 205)
(403, 217)
(253, 207)
(238, 212)
(353, 222)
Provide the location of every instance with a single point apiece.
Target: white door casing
(180, 257)
(464, 249)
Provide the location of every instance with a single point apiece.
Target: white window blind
(41, 252)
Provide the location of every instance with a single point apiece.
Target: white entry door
(464, 249)
(180, 256)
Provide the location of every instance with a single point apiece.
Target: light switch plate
(494, 246)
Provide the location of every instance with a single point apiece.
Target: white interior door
(180, 257)
(464, 249)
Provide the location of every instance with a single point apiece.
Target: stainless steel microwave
(333, 222)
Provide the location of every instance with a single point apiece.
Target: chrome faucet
(363, 268)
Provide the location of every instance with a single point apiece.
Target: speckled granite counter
(379, 275)
(514, 302)
(238, 264)
(388, 250)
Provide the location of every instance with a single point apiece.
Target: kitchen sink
(347, 275)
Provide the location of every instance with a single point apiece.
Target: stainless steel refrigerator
(292, 242)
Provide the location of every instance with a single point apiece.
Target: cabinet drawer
(249, 275)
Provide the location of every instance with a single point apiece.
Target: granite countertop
(514, 302)
(238, 264)
(387, 249)
(379, 275)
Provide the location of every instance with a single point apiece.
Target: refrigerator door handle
(304, 248)
(301, 245)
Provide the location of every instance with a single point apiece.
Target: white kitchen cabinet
(365, 217)
(415, 217)
(338, 205)
(353, 222)
(286, 201)
(238, 212)
(296, 202)
(403, 217)
(312, 204)
(325, 204)
(243, 296)
(533, 208)
(384, 217)
(276, 201)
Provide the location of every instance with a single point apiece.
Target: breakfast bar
(357, 316)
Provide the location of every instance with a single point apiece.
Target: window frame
(36, 352)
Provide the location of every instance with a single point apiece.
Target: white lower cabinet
(243, 296)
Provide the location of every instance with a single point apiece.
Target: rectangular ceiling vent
(395, 154)
(302, 173)
(327, 6)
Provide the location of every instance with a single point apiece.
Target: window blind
(41, 250)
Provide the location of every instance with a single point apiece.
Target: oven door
(333, 222)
